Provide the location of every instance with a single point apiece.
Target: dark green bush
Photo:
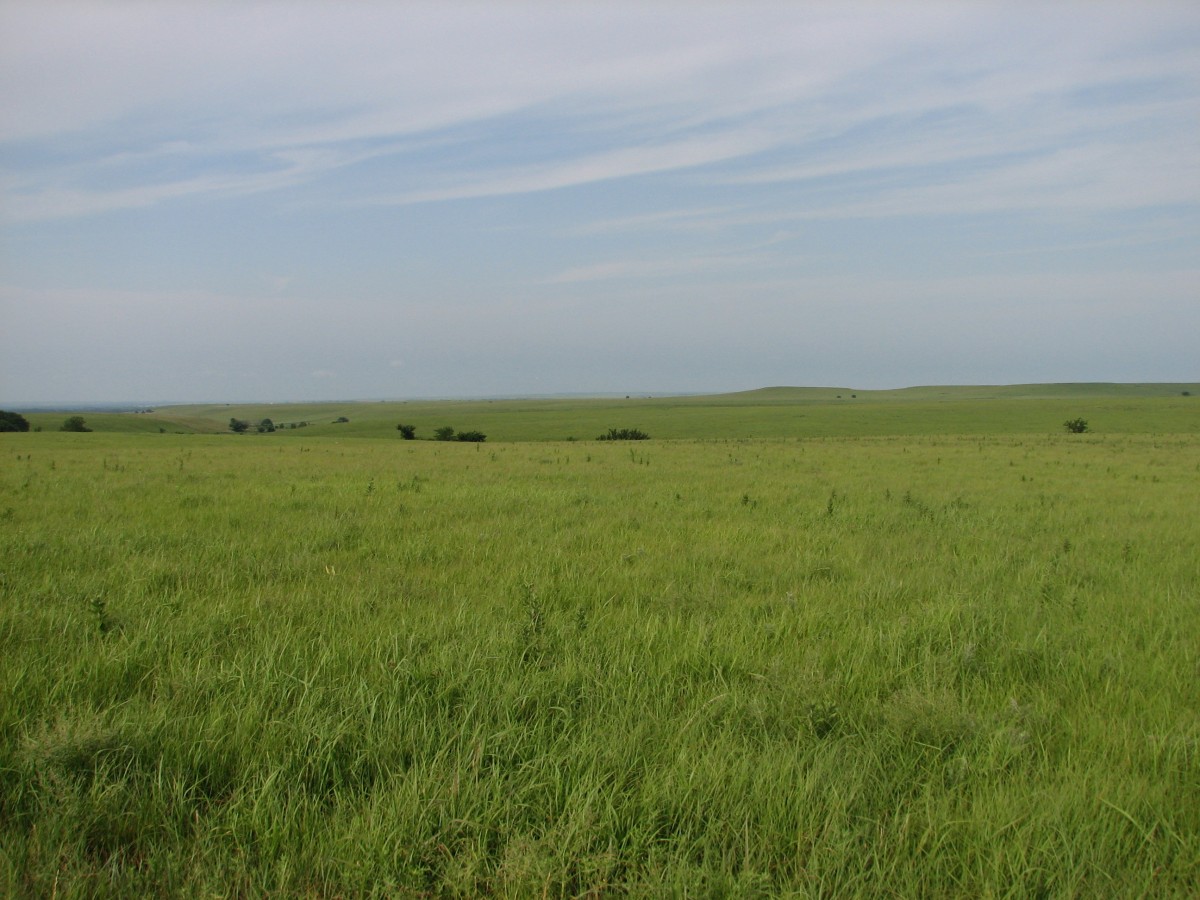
(74, 423)
(624, 434)
(11, 421)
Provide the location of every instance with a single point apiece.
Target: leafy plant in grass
(99, 608)
(624, 434)
(1076, 426)
(238, 426)
(11, 421)
(74, 423)
(408, 432)
(475, 437)
(445, 433)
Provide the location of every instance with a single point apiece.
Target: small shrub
(624, 434)
(238, 426)
(74, 423)
(408, 432)
(1076, 426)
(266, 426)
(445, 433)
(341, 420)
(477, 437)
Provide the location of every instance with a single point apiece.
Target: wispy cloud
(621, 163)
(842, 94)
(640, 269)
(703, 218)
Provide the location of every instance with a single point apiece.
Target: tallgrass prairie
(928, 665)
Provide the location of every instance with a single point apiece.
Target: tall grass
(925, 666)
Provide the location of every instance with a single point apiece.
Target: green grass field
(783, 661)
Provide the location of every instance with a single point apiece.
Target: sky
(286, 201)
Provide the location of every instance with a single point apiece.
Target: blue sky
(308, 200)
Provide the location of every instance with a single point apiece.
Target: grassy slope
(768, 413)
(128, 423)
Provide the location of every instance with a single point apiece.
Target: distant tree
(408, 432)
(340, 420)
(238, 426)
(11, 421)
(74, 423)
(266, 426)
(445, 433)
(476, 437)
(624, 434)
(1076, 426)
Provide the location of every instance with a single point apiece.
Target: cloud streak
(621, 163)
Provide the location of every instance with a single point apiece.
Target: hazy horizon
(150, 404)
(276, 202)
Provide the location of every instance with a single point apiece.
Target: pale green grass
(936, 666)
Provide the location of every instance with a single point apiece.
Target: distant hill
(1066, 390)
(771, 412)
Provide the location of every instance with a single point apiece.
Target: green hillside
(773, 412)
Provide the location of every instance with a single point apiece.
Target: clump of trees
(12, 421)
(265, 426)
(445, 433)
(1076, 426)
(624, 434)
(74, 423)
